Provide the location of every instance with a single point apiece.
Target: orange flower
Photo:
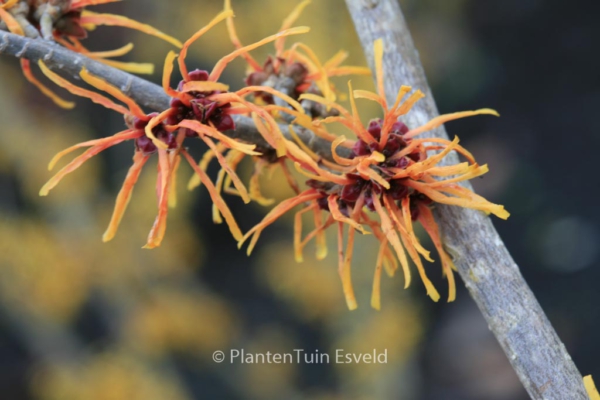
(137, 121)
(391, 173)
(67, 22)
(297, 65)
(169, 156)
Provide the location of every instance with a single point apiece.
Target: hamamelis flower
(200, 101)
(66, 18)
(169, 156)
(66, 22)
(136, 120)
(391, 173)
(298, 66)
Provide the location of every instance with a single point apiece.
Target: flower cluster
(389, 172)
(381, 181)
(67, 22)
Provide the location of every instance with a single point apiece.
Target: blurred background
(80, 319)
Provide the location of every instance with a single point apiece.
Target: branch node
(127, 87)
(23, 50)
(48, 56)
(370, 4)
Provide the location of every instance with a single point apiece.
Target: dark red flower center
(296, 71)
(350, 193)
(201, 108)
(144, 143)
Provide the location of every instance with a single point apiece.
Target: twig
(492, 277)
(145, 93)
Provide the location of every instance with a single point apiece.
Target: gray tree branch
(489, 272)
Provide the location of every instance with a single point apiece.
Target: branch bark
(493, 279)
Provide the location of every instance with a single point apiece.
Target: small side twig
(494, 281)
